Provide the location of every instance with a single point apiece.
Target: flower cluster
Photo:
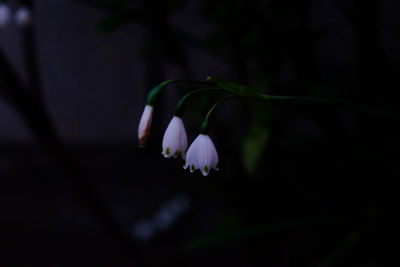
(22, 16)
(201, 154)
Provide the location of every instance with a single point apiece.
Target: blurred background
(298, 185)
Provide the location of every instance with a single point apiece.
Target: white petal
(213, 157)
(191, 155)
(175, 139)
(202, 155)
(183, 142)
(144, 125)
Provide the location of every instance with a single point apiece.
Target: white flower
(144, 125)
(5, 14)
(175, 139)
(202, 155)
(22, 16)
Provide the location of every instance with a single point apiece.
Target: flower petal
(175, 139)
(202, 155)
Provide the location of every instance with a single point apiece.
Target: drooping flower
(202, 155)
(175, 139)
(144, 125)
(5, 14)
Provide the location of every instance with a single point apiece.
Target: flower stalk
(152, 98)
(204, 125)
(202, 154)
(181, 105)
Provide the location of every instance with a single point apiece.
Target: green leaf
(254, 146)
(350, 241)
(237, 234)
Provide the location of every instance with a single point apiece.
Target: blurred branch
(30, 56)
(37, 119)
(28, 102)
(349, 241)
(242, 233)
(366, 226)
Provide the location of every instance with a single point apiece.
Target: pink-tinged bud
(144, 125)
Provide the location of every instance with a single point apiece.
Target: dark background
(299, 184)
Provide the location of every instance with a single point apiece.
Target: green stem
(180, 106)
(155, 93)
(204, 125)
(183, 80)
(315, 100)
(244, 91)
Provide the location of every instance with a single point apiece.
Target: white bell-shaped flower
(5, 14)
(144, 125)
(202, 155)
(175, 139)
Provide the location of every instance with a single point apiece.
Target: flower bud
(144, 125)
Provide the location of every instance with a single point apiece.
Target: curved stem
(183, 80)
(204, 125)
(155, 93)
(180, 106)
(243, 91)
(315, 100)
